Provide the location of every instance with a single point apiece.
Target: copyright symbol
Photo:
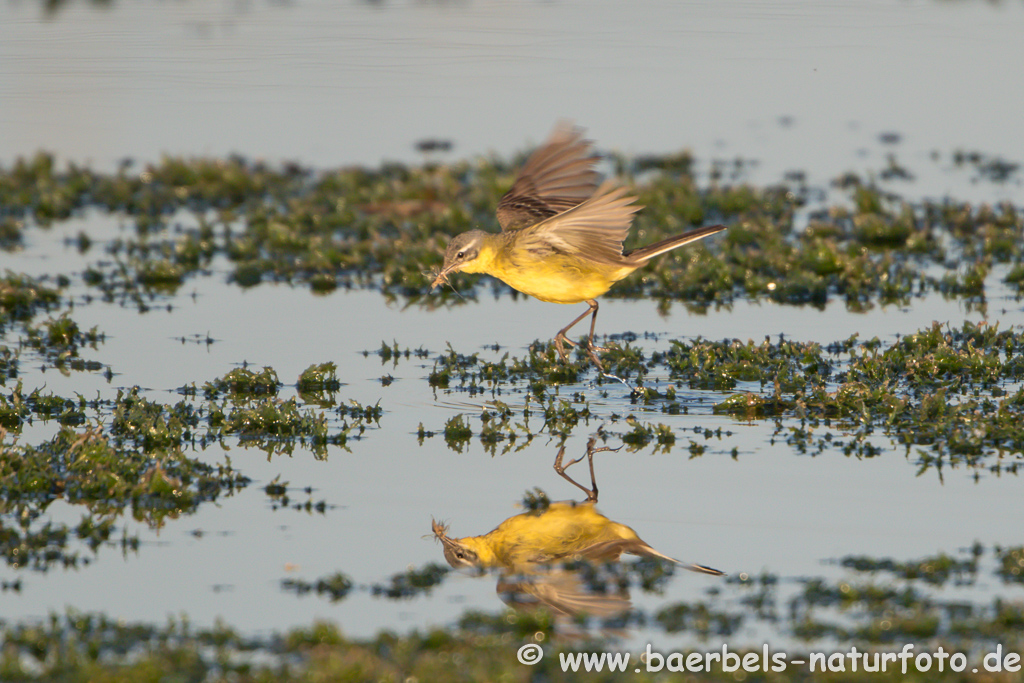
(530, 654)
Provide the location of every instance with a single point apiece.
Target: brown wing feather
(558, 176)
(594, 229)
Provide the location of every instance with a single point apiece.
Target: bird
(562, 531)
(562, 233)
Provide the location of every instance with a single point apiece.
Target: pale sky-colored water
(795, 85)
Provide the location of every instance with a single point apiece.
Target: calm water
(793, 86)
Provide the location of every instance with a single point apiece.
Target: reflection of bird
(561, 531)
(564, 531)
(524, 547)
(561, 238)
(563, 592)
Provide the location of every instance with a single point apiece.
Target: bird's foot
(561, 339)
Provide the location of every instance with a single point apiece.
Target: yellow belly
(558, 280)
(561, 530)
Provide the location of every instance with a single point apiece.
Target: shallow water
(795, 86)
(332, 86)
(769, 509)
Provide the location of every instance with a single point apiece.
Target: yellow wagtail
(562, 234)
(563, 531)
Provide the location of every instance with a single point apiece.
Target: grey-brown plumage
(558, 176)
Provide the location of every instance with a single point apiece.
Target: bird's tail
(644, 254)
(648, 551)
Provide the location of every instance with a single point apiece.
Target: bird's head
(462, 251)
(458, 553)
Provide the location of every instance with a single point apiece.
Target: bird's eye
(460, 555)
(461, 254)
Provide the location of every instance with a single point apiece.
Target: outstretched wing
(558, 176)
(594, 229)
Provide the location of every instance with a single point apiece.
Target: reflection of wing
(558, 175)
(563, 593)
(594, 229)
(610, 551)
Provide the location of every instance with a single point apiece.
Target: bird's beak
(442, 278)
(452, 548)
(440, 529)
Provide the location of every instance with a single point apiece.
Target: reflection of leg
(560, 468)
(589, 455)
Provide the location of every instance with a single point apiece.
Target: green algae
(950, 396)
(874, 616)
(412, 582)
(1011, 564)
(334, 587)
(21, 297)
(386, 228)
(107, 479)
(242, 383)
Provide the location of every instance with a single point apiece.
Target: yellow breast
(557, 278)
(561, 530)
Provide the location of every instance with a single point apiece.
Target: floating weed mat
(879, 605)
(107, 479)
(55, 342)
(241, 404)
(386, 228)
(21, 297)
(877, 601)
(131, 454)
(951, 397)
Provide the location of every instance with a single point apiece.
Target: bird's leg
(560, 468)
(593, 323)
(592, 350)
(560, 338)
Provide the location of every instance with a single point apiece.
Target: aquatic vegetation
(243, 382)
(21, 298)
(1012, 564)
(280, 500)
(412, 582)
(699, 619)
(950, 396)
(642, 434)
(90, 469)
(934, 570)
(274, 426)
(871, 614)
(334, 587)
(386, 228)
(152, 425)
(319, 378)
(457, 433)
(942, 397)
